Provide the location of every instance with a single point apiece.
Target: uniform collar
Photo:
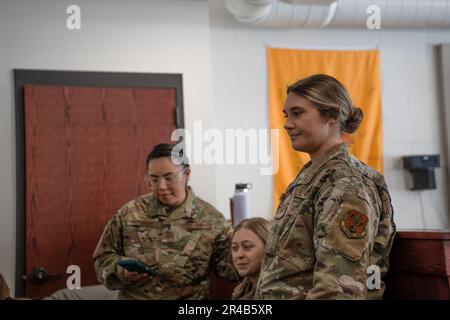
(311, 168)
(186, 209)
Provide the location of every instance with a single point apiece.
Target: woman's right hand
(135, 276)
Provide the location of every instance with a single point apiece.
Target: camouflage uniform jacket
(183, 244)
(334, 221)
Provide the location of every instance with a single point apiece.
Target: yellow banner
(359, 71)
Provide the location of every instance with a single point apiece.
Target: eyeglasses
(170, 179)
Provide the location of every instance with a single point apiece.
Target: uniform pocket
(277, 226)
(192, 243)
(293, 206)
(338, 241)
(190, 264)
(197, 250)
(282, 207)
(296, 242)
(138, 239)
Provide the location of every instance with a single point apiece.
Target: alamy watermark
(74, 280)
(374, 279)
(73, 21)
(373, 22)
(232, 146)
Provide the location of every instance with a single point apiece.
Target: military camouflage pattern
(333, 222)
(4, 289)
(244, 290)
(183, 244)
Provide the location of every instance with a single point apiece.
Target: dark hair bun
(353, 121)
(169, 150)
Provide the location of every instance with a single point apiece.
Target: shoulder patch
(354, 225)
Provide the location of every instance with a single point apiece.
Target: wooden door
(85, 152)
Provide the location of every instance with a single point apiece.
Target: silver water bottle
(240, 203)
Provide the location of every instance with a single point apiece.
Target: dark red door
(85, 150)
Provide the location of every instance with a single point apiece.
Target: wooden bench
(419, 266)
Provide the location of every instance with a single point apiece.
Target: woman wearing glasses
(177, 236)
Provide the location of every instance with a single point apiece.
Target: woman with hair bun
(334, 225)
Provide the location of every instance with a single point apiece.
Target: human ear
(188, 174)
(332, 121)
(147, 182)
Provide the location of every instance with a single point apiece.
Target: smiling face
(309, 131)
(168, 181)
(247, 250)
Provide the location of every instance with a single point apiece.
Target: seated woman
(247, 249)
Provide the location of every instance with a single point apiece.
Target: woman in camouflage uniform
(247, 249)
(177, 234)
(334, 223)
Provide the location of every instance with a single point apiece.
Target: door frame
(24, 77)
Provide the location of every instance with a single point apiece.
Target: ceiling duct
(341, 13)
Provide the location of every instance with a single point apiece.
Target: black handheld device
(137, 266)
